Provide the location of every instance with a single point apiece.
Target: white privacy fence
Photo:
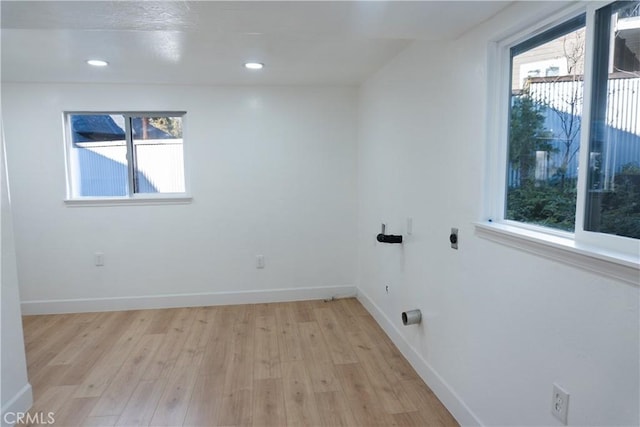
(623, 96)
(103, 167)
(562, 104)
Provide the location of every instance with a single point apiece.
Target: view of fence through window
(544, 130)
(613, 193)
(546, 122)
(115, 155)
(158, 155)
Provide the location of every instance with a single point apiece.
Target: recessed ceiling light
(97, 62)
(254, 65)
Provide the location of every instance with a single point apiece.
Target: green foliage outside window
(620, 209)
(551, 202)
(170, 125)
(526, 136)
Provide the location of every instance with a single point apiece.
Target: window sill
(134, 201)
(607, 263)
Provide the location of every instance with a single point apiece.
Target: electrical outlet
(453, 238)
(98, 259)
(259, 261)
(560, 404)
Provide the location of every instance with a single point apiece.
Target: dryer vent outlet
(411, 317)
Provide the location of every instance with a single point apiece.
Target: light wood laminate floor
(286, 364)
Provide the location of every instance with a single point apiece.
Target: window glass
(613, 190)
(116, 155)
(158, 156)
(98, 155)
(544, 127)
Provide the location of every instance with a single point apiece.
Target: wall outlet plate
(98, 259)
(453, 238)
(560, 404)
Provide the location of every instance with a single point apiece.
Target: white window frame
(606, 254)
(132, 198)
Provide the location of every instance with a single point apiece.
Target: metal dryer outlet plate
(453, 238)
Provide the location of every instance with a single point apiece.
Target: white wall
(15, 391)
(272, 172)
(499, 325)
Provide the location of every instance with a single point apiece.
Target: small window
(124, 154)
(552, 71)
(544, 128)
(534, 73)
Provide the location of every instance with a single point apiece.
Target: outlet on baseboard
(560, 404)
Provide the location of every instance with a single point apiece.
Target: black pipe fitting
(389, 238)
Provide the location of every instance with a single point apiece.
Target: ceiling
(207, 42)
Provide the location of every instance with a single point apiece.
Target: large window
(573, 132)
(124, 154)
(613, 181)
(544, 126)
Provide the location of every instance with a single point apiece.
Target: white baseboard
(438, 385)
(87, 305)
(21, 402)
